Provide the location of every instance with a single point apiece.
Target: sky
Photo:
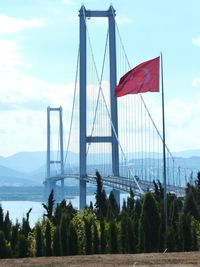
(38, 52)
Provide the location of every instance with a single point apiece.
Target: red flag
(143, 78)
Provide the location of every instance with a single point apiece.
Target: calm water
(18, 209)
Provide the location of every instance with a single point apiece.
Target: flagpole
(164, 152)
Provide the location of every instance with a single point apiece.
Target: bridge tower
(84, 139)
(51, 183)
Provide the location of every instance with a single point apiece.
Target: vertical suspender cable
(73, 106)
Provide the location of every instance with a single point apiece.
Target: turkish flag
(143, 78)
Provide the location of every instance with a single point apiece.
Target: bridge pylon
(50, 183)
(84, 139)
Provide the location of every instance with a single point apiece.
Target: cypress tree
(104, 204)
(194, 238)
(198, 189)
(180, 245)
(39, 241)
(73, 240)
(113, 237)
(7, 226)
(162, 234)
(176, 236)
(95, 239)
(14, 238)
(49, 206)
(59, 210)
(25, 227)
(1, 218)
(98, 193)
(109, 214)
(56, 242)
(63, 208)
(170, 239)
(127, 234)
(150, 224)
(190, 205)
(138, 208)
(198, 181)
(22, 246)
(2, 245)
(25, 224)
(70, 210)
(113, 205)
(137, 214)
(88, 236)
(124, 234)
(141, 238)
(131, 203)
(64, 235)
(103, 236)
(131, 236)
(161, 190)
(91, 205)
(156, 190)
(28, 214)
(185, 234)
(48, 248)
(174, 207)
(124, 207)
(101, 199)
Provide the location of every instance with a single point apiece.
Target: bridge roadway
(124, 184)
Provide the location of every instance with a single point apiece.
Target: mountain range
(29, 168)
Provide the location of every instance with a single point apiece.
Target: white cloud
(55, 11)
(23, 114)
(13, 24)
(196, 41)
(123, 20)
(181, 121)
(9, 54)
(68, 2)
(23, 90)
(22, 130)
(180, 113)
(196, 82)
(182, 124)
(23, 103)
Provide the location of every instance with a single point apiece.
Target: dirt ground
(124, 260)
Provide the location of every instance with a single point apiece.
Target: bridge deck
(121, 183)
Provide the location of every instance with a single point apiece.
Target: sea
(18, 209)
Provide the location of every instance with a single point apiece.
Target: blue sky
(38, 53)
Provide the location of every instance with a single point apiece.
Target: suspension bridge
(117, 137)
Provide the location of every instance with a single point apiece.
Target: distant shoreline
(35, 193)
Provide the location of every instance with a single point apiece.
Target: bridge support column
(49, 186)
(117, 196)
(82, 155)
(82, 200)
(113, 139)
(113, 99)
(49, 182)
(62, 189)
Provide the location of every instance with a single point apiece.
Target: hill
(12, 177)
(29, 168)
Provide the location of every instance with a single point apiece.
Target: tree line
(139, 226)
